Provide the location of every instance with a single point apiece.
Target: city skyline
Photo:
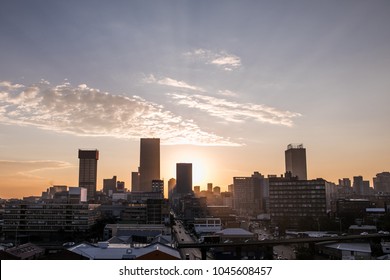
(225, 85)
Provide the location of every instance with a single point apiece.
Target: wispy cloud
(233, 111)
(151, 79)
(10, 168)
(86, 111)
(222, 59)
(228, 93)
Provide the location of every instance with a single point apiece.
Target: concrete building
(46, 220)
(149, 167)
(352, 208)
(207, 225)
(171, 187)
(295, 157)
(248, 194)
(135, 182)
(183, 178)
(293, 201)
(382, 182)
(109, 186)
(360, 186)
(196, 189)
(88, 171)
(158, 186)
(77, 195)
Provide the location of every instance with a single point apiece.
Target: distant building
(183, 178)
(345, 182)
(196, 189)
(295, 157)
(382, 182)
(352, 208)
(171, 187)
(149, 168)
(207, 225)
(360, 186)
(88, 171)
(109, 186)
(135, 182)
(120, 186)
(77, 195)
(158, 186)
(248, 194)
(294, 201)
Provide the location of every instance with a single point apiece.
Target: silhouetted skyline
(226, 93)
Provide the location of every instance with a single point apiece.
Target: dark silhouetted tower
(149, 167)
(88, 171)
(183, 178)
(296, 161)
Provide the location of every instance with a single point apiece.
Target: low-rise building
(107, 251)
(45, 220)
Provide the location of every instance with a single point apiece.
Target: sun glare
(200, 165)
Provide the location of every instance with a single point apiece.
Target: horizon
(225, 85)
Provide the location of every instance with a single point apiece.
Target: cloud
(10, 168)
(172, 83)
(222, 59)
(228, 93)
(86, 111)
(233, 111)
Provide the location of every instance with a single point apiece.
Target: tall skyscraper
(183, 178)
(149, 163)
(88, 171)
(171, 187)
(135, 182)
(295, 156)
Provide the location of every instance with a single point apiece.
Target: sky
(226, 85)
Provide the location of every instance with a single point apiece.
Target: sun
(201, 171)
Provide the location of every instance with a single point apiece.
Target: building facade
(88, 171)
(249, 194)
(149, 168)
(382, 182)
(295, 157)
(183, 178)
(293, 201)
(47, 219)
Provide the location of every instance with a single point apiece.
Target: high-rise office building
(295, 156)
(171, 187)
(294, 202)
(183, 178)
(248, 195)
(135, 182)
(149, 168)
(88, 171)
